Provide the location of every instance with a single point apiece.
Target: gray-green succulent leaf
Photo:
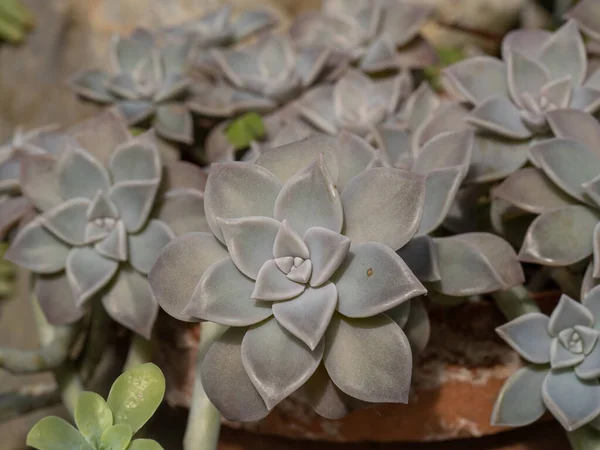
(102, 224)
(540, 72)
(565, 366)
(298, 240)
(148, 79)
(376, 36)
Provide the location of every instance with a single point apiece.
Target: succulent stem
(567, 281)
(68, 380)
(204, 420)
(15, 404)
(584, 438)
(140, 352)
(515, 302)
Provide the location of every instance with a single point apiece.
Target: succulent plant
(107, 209)
(564, 191)
(148, 80)
(307, 278)
(260, 76)
(355, 102)
(378, 35)
(585, 14)
(564, 368)
(13, 206)
(110, 424)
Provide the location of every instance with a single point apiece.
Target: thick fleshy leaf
(310, 199)
(134, 111)
(499, 115)
(383, 205)
(568, 163)
(369, 359)
(38, 250)
(379, 56)
(592, 189)
(420, 105)
(220, 100)
(114, 245)
(173, 121)
(325, 398)
(476, 263)
(39, 180)
(354, 155)
(179, 267)
(307, 316)
(528, 336)
(136, 161)
(417, 327)
(589, 369)
(272, 284)
(317, 107)
(530, 190)
(223, 372)
(239, 190)
(585, 98)
(250, 242)
(54, 433)
(183, 211)
(441, 187)
(400, 23)
(560, 237)
(56, 299)
(561, 358)
(129, 51)
(144, 444)
(373, 279)
(134, 200)
(529, 42)
(289, 159)
(578, 125)
(558, 92)
(591, 300)
(448, 117)
(327, 251)
(478, 78)
(572, 401)
(88, 272)
(525, 76)
(92, 84)
(589, 281)
(123, 85)
(394, 143)
(12, 211)
(445, 150)
(564, 54)
(252, 21)
(567, 314)
(179, 175)
(145, 246)
(289, 243)
(136, 394)
(277, 362)
(80, 174)
(116, 437)
(92, 416)
(101, 207)
(585, 13)
(420, 256)
(223, 295)
(520, 400)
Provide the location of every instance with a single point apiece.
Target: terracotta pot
(455, 383)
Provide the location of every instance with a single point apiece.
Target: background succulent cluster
(308, 190)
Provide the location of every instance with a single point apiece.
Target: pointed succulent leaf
(88, 272)
(39, 180)
(499, 115)
(495, 157)
(476, 263)
(54, 433)
(289, 243)
(441, 187)
(379, 56)
(560, 237)
(37, 249)
(561, 358)
(80, 174)
(529, 42)
(327, 252)
(179, 267)
(134, 200)
(558, 92)
(478, 78)
(564, 54)
(574, 124)
(145, 246)
(223, 372)
(92, 416)
(568, 163)
(417, 327)
(592, 189)
(589, 369)
(391, 215)
(567, 314)
(446, 150)
(574, 402)
(130, 51)
(68, 221)
(277, 362)
(369, 359)
(173, 121)
(56, 299)
(317, 107)
(520, 400)
(584, 98)
(449, 117)
(525, 75)
(136, 161)
(116, 437)
(136, 394)
(92, 84)
(528, 336)
(530, 190)
(223, 295)
(421, 257)
(354, 155)
(134, 111)
(273, 285)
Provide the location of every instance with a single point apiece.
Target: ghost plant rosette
(106, 212)
(260, 76)
(306, 277)
(148, 80)
(564, 191)
(564, 353)
(15, 207)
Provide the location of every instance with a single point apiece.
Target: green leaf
(53, 433)
(145, 444)
(136, 395)
(116, 437)
(92, 416)
(244, 130)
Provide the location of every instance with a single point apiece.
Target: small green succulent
(110, 424)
